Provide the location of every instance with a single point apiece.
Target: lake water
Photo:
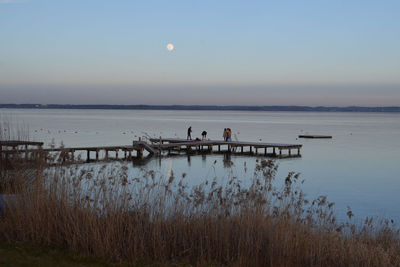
(359, 167)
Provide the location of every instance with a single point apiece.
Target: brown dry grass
(160, 220)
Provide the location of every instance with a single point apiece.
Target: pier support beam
(140, 153)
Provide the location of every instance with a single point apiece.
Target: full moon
(170, 47)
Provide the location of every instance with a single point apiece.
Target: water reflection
(227, 160)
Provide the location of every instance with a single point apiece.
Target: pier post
(273, 151)
(97, 154)
(298, 151)
(280, 152)
(219, 148)
(241, 149)
(88, 156)
(256, 150)
(139, 153)
(1, 160)
(251, 149)
(106, 156)
(72, 154)
(265, 151)
(290, 152)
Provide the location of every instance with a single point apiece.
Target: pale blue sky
(226, 52)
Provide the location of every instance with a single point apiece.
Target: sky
(332, 53)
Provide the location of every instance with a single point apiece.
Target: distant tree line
(207, 107)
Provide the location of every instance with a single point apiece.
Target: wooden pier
(21, 151)
(212, 146)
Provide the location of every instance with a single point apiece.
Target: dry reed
(103, 212)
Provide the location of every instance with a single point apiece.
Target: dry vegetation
(11, 129)
(154, 219)
(151, 219)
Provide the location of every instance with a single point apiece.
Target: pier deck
(20, 150)
(276, 149)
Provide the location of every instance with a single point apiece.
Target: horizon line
(206, 107)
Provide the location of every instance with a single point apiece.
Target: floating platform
(316, 136)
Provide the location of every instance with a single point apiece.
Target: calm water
(359, 167)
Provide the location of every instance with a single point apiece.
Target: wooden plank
(14, 143)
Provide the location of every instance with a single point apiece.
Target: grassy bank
(152, 219)
(34, 256)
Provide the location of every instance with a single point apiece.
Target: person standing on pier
(204, 135)
(225, 135)
(189, 133)
(228, 135)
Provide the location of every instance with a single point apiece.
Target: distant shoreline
(393, 109)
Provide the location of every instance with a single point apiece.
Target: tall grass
(106, 213)
(12, 129)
